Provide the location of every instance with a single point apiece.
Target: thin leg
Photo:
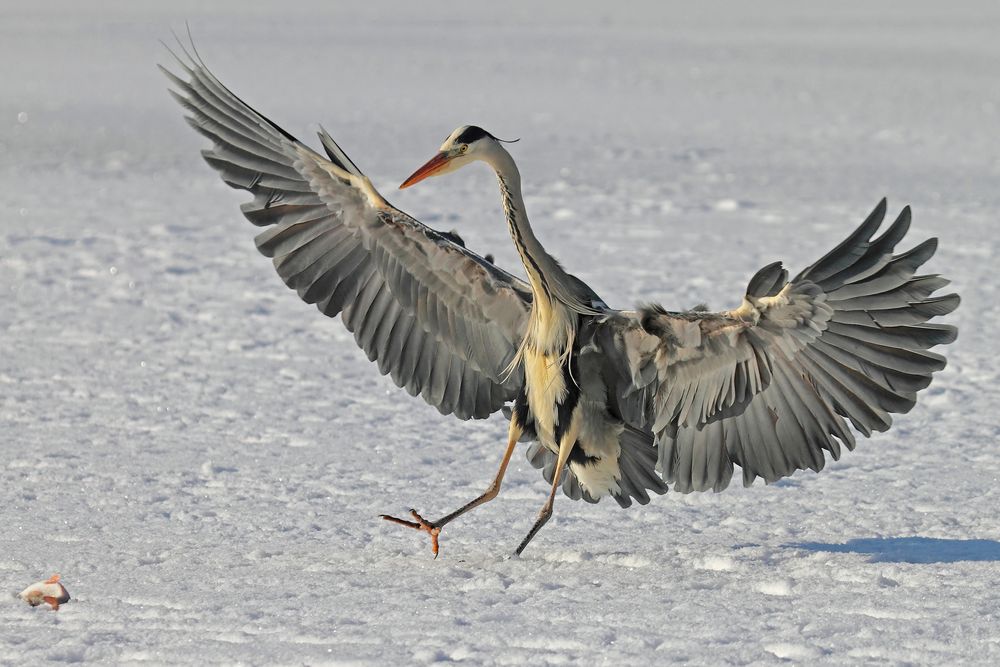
(490, 493)
(565, 447)
(433, 528)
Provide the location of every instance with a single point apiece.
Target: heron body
(552, 404)
(617, 403)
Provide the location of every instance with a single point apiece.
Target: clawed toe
(420, 523)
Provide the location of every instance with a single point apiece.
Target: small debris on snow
(50, 591)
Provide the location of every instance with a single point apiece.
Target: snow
(203, 458)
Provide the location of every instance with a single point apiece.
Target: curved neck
(547, 278)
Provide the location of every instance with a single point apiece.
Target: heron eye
(464, 148)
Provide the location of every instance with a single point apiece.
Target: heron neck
(544, 272)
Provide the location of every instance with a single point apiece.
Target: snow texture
(203, 457)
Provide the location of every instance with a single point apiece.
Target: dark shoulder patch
(649, 318)
(580, 457)
(471, 134)
(564, 411)
(453, 237)
(521, 413)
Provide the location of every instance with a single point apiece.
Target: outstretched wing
(768, 386)
(441, 320)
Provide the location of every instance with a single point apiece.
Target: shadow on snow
(911, 549)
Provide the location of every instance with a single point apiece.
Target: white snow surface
(204, 458)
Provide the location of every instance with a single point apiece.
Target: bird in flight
(619, 403)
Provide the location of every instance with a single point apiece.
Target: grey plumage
(768, 387)
(440, 320)
(652, 397)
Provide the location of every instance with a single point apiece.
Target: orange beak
(433, 166)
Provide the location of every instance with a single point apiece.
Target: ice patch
(897, 614)
(793, 651)
(624, 560)
(716, 564)
(779, 587)
(619, 559)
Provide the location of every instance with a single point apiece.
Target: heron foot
(420, 523)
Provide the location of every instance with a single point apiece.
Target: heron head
(465, 145)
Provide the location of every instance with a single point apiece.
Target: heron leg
(565, 447)
(491, 491)
(433, 528)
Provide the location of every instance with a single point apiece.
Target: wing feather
(440, 320)
(771, 385)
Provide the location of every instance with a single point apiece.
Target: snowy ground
(203, 457)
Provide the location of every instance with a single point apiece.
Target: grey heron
(616, 403)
